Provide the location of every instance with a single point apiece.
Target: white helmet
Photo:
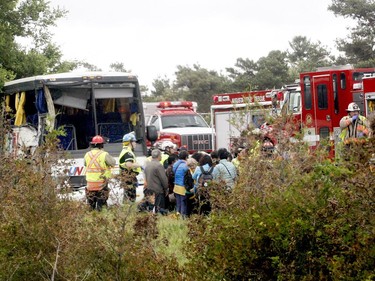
(157, 145)
(353, 107)
(167, 144)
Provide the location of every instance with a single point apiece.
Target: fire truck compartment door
(323, 106)
(229, 125)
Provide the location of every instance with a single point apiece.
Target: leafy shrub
(294, 216)
(291, 218)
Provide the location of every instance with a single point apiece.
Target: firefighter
(169, 148)
(354, 126)
(98, 163)
(129, 167)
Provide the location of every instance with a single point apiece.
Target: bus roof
(67, 78)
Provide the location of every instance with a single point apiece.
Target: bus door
(323, 106)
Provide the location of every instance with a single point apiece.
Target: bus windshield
(84, 105)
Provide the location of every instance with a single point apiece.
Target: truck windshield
(177, 121)
(292, 102)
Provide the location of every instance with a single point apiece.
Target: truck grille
(201, 142)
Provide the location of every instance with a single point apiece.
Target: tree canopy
(359, 46)
(29, 21)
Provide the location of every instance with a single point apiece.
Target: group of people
(172, 176)
(98, 165)
(175, 180)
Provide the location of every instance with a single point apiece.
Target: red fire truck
(180, 123)
(231, 113)
(317, 102)
(324, 97)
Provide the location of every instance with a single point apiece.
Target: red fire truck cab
(322, 98)
(180, 123)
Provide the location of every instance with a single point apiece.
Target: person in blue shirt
(179, 169)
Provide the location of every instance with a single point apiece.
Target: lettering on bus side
(76, 171)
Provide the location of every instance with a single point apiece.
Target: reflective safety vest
(352, 132)
(97, 170)
(164, 157)
(122, 165)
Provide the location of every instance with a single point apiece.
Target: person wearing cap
(353, 126)
(129, 166)
(98, 165)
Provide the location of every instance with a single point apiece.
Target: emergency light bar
(174, 104)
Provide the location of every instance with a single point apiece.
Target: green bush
(296, 216)
(301, 218)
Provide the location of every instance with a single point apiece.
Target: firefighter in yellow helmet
(354, 127)
(98, 165)
(129, 166)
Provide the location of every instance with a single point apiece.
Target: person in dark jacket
(171, 199)
(157, 181)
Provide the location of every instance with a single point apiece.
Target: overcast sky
(152, 37)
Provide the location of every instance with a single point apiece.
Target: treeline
(31, 21)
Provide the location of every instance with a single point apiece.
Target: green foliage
(163, 90)
(198, 84)
(172, 238)
(359, 46)
(242, 75)
(29, 20)
(291, 218)
(305, 55)
(272, 71)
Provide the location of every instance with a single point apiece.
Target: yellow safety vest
(347, 136)
(125, 150)
(97, 170)
(163, 158)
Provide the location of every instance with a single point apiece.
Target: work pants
(130, 192)
(97, 199)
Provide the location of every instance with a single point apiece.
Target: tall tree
(272, 71)
(242, 75)
(305, 55)
(199, 84)
(30, 20)
(163, 90)
(359, 46)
